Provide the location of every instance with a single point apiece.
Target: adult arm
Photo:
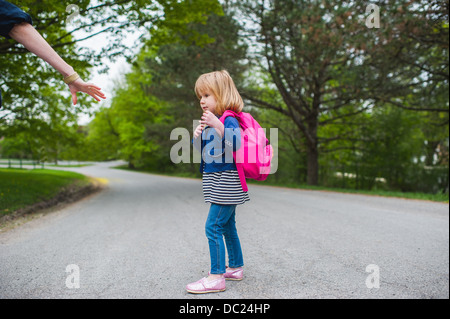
(27, 35)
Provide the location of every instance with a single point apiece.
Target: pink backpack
(255, 154)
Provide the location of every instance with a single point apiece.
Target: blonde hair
(222, 86)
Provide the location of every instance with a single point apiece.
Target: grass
(443, 198)
(21, 187)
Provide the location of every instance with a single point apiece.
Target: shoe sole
(233, 279)
(204, 292)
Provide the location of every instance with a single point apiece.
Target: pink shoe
(236, 275)
(203, 286)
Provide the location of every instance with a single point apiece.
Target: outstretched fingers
(88, 88)
(95, 92)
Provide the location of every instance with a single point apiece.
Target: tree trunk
(313, 166)
(131, 163)
(313, 145)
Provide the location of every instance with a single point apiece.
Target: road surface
(143, 237)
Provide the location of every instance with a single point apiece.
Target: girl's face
(208, 102)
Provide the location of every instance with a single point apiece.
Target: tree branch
(433, 109)
(326, 122)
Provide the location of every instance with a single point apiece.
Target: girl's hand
(198, 131)
(209, 119)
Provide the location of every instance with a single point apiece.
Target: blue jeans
(221, 223)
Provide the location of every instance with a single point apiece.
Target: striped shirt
(224, 188)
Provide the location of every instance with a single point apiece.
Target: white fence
(24, 163)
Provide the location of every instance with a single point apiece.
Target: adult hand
(80, 86)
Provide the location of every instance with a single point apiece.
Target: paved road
(143, 237)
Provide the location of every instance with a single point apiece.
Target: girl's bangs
(202, 86)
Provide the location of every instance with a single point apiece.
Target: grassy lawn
(21, 187)
(444, 198)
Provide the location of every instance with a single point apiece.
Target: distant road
(143, 237)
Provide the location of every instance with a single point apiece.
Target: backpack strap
(241, 173)
(228, 113)
(239, 166)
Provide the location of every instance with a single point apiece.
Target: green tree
(46, 133)
(102, 140)
(158, 95)
(328, 67)
(24, 77)
(393, 150)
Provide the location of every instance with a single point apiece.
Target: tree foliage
(160, 89)
(25, 78)
(355, 106)
(36, 103)
(328, 67)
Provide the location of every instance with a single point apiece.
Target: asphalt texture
(143, 237)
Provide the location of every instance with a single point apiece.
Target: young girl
(221, 185)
